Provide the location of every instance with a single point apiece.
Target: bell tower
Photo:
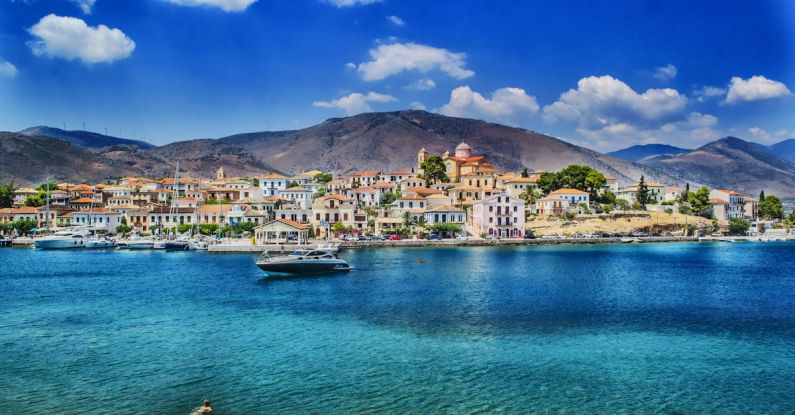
(421, 157)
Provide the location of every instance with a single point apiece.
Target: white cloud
(604, 101)
(85, 5)
(509, 105)
(665, 73)
(71, 38)
(7, 69)
(755, 88)
(610, 114)
(416, 105)
(707, 92)
(356, 102)
(763, 135)
(350, 66)
(225, 5)
(391, 59)
(349, 3)
(425, 84)
(396, 20)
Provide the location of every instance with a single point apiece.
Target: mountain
(30, 160)
(734, 164)
(83, 138)
(784, 149)
(391, 140)
(642, 151)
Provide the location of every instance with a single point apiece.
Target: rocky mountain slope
(642, 151)
(390, 141)
(735, 164)
(784, 149)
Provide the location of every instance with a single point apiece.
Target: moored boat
(63, 239)
(99, 243)
(138, 242)
(303, 262)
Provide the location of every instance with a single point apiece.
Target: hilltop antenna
(84, 126)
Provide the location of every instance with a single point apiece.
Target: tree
(608, 208)
(292, 183)
(43, 187)
(547, 182)
(338, 227)
(699, 202)
(575, 176)
(771, 208)
(389, 197)
(529, 195)
(320, 193)
(607, 197)
(323, 177)
(434, 170)
(525, 173)
(123, 229)
(34, 201)
(23, 226)
(761, 195)
(738, 226)
(7, 195)
(622, 204)
(683, 198)
(643, 193)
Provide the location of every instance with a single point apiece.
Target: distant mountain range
(732, 163)
(382, 141)
(642, 151)
(784, 149)
(83, 138)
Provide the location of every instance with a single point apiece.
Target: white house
(573, 196)
(298, 196)
(98, 219)
(727, 204)
(271, 184)
(499, 215)
(445, 214)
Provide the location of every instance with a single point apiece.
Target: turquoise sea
(651, 328)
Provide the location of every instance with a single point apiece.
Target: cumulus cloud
(349, 3)
(225, 5)
(707, 92)
(391, 59)
(416, 105)
(355, 103)
(604, 101)
(509, 105)
(396, 20)
(765, 136)
(422, 85)
(7, 70)
(85, 5)
(71, 38)
(755, 88)
(665, 73)
(610, 113)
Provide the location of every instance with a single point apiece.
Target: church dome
(463, 150)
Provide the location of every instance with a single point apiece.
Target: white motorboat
(139, 242)
(159, 244)
(302, 262)
(99, 243)
(64, 239)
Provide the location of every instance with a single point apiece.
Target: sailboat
(96, 241)
(181, 243)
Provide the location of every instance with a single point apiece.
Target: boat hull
(59, 243)
(177, 246)
(140, 245)
(306, 268)
(99, 244)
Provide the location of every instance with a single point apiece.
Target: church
(461, 164)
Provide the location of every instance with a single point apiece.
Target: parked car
(529, 235)
(463, 237)
(433, 237)
(395, 237)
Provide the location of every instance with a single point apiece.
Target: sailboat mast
(47, 218)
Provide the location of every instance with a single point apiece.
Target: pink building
(500, 216)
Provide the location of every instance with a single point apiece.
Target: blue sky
(604, 74)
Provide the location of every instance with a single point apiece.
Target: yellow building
(460, 163)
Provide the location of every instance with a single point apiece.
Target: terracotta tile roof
(532, 179)
(421, 191)
(19, 211)
(716, 201)
(445, 208)
(341, 198)
(82, 201)
(297, 189)
(411, 197)
(272, 176)
(213, 208)
(294, 224)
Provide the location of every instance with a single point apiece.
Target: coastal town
(457, 194)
